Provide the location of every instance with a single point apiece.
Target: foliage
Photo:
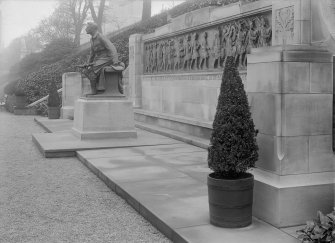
(10, 88)
(233, 148)
(36, 88)
(29, 63)
(35, 84)
(57, 26)
(192, 5)
(57, 49)
(321, 230)
(53, 99)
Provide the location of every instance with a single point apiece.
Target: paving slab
(65, 144)
(163, 179)
(167, 185)
(54, 125)
(142, 151)
(257, 232)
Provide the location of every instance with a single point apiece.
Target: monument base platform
(67, 112)
(103, 117)
(292, 200)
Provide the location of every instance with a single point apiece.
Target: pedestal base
(292, 199)
(67, 112)
(98, 118)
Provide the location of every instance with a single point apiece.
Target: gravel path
(58, 200)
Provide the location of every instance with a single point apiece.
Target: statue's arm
(92, 55)
(109, 46)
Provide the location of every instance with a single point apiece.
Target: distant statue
(103, 58)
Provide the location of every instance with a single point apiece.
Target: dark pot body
(230, 201)
(53, 112)
(20, 102)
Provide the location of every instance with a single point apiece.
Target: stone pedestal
(71, 91)
(290, 91)
(101, 116)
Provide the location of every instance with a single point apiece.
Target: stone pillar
(291, 94)
(291, 22)
(72, 90)
(136, 67)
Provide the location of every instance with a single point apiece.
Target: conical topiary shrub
(233, 148)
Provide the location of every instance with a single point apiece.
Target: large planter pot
(20, 101)
(230, 201)
(53, 112)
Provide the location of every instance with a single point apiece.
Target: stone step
(186, 138)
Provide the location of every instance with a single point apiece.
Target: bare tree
(77, 10)
(58, 25)
(97, 17)
(146, 11)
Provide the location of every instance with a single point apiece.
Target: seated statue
(103, 58)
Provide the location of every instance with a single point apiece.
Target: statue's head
(91, 28)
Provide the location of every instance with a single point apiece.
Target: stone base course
(165, 181)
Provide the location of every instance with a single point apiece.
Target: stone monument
(104, 112)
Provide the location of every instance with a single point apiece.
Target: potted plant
(321, 230)
(53, 101)
(232, 151)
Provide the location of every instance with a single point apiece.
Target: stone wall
(177, 70)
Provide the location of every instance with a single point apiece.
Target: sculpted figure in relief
(188, 52)
(195, 51)
(147, 59)
(265, 32)
(169, 55)
(154, 54)
(216, 50)
(241, 43)
(177, 53)
(224, 37)
(210, 48)
(204, 51)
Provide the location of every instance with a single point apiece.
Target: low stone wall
(177, 70)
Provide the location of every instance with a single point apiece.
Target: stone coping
(176, 118)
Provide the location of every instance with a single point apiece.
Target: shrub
(10, 88)
(53, 99)
(56, 50)
(321, 230)
(33, 84)
(233, 148)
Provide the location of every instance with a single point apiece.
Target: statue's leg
(93, 77)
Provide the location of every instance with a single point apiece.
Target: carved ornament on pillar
(284, 25)
(207, 49)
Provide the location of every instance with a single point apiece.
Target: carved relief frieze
(207, 49)
(284, 25)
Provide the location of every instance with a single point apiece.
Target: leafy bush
(33, 83)
(321, 230)
(192, 5)
(10, 88)
(29, 63)
(233, 148)
(57, 50)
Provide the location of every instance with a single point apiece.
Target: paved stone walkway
(58, 200)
